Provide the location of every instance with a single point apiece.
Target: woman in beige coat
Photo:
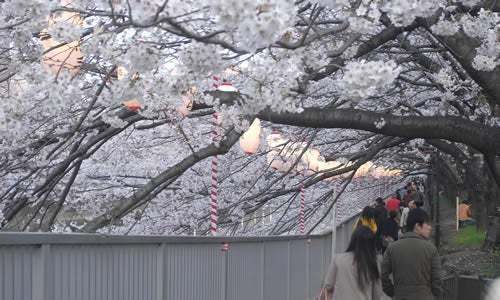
(355, 274)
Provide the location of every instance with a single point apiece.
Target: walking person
(381, 211)
(405, 209)
(413, 262)
(355, 274)
(465, 215)
(390, 230)
(381, 217)
(393, 203)
(368, 218)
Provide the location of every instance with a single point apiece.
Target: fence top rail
(35, 238)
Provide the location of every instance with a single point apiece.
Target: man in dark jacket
(413, 262)
(380, 218)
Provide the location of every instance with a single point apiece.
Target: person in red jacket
(393, 203)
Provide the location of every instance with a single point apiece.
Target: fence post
(263, 269)
(308, 270)
(334, 229)
(40, 275)
(226, 273)
(160, 272)
(289, 270)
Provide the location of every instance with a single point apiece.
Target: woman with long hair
(368, 218)
(355, 274)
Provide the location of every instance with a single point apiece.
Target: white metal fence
(37, 266)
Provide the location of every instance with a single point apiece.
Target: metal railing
(464, 288)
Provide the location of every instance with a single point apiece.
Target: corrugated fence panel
(245, 269)
(194, 271)
(97, 267)
(100, 272)
(343, 235)
(317, 266)
(276, 268)
(16, 272)
(298, 269)
(328, 247)
(340, 244)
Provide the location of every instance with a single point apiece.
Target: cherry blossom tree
(106, 107)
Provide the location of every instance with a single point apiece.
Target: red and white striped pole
(224, 87)
(302, 208)
(213, 192)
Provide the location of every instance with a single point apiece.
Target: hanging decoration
(250, 140)
(213, 192)
(187, 102)
(132, 105)
(224, 87)
(302, 208)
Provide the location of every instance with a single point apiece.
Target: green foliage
(469, 237)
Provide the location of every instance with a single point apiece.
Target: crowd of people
(389, 254)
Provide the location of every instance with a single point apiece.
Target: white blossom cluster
(140, 58)
(314, 56)
(488, 54)
(445, 27)
(254, 23)
(484, 63)
(444, 78)
(361, 25)
(270, 83)
(333, 3)
(404, 12)
(32, 98)
(25, 47)
(32, 15)
(64, 32)
(363, 79)
(142, 11)
(201, 59)
(366, 18)
(478, 27)
(470, 3)
(483, 27)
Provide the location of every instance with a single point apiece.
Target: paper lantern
(312, 158)
(187, 105)
(227, 87)
(121, 72)
(133, 105)
(62, 56)
(276, 163)
(250, 140)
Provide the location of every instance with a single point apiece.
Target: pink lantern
(62, 56)
(250, 140)
(187, 105)
(312, 158)
(276, 164)
(227, 87)
(133, 105)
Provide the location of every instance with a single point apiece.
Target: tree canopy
(107, 107)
